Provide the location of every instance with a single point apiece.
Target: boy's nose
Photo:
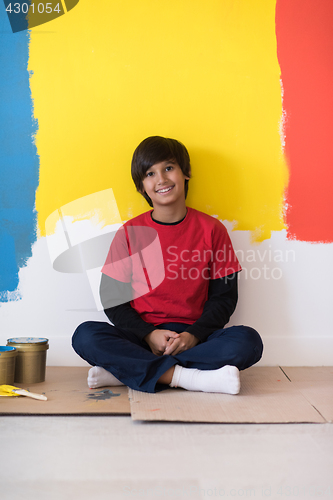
(161, 178)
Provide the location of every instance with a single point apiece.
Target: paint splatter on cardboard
(102, 395)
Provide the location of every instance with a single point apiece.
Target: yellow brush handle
(23, 392)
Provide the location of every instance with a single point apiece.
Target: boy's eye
(149, 174)
(169, 167)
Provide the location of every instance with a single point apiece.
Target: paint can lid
(29, 344)
(27, 340)
(7, 351)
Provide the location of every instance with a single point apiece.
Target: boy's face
(164, 183)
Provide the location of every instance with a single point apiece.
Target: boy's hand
(184, 342)
(159, 340)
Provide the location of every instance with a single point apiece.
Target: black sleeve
(221, 303)
(115, 298)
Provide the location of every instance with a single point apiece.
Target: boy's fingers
(176, 349)
(170, 333)
(171, 347)
(168, 349)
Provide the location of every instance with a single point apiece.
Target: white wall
(285, 294)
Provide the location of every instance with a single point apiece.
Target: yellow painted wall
(108, 74)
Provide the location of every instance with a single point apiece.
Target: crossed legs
(212, 366)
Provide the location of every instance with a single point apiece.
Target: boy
(169, 286)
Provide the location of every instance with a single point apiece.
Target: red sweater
(170, 266)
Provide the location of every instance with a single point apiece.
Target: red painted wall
(304, 31)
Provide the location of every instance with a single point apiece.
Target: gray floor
(114, 458)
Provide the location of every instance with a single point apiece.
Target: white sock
(225, 379)
(99, 377)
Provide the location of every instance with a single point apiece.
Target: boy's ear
(188, 178)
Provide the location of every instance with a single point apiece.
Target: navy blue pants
(132, 362)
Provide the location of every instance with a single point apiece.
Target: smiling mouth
(165, 190)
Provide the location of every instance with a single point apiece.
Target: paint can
(31, 359)
(7, 364)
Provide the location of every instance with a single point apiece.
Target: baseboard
(297, 351)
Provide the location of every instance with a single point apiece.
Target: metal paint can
(8, 357)
(31, 359)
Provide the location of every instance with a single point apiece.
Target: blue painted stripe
(19, 163)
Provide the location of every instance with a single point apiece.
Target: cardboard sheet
(316, 385)
(266, 396)
(68, 394)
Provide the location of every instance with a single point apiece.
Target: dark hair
(154, 150)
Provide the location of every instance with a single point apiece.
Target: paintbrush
(21, 392)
